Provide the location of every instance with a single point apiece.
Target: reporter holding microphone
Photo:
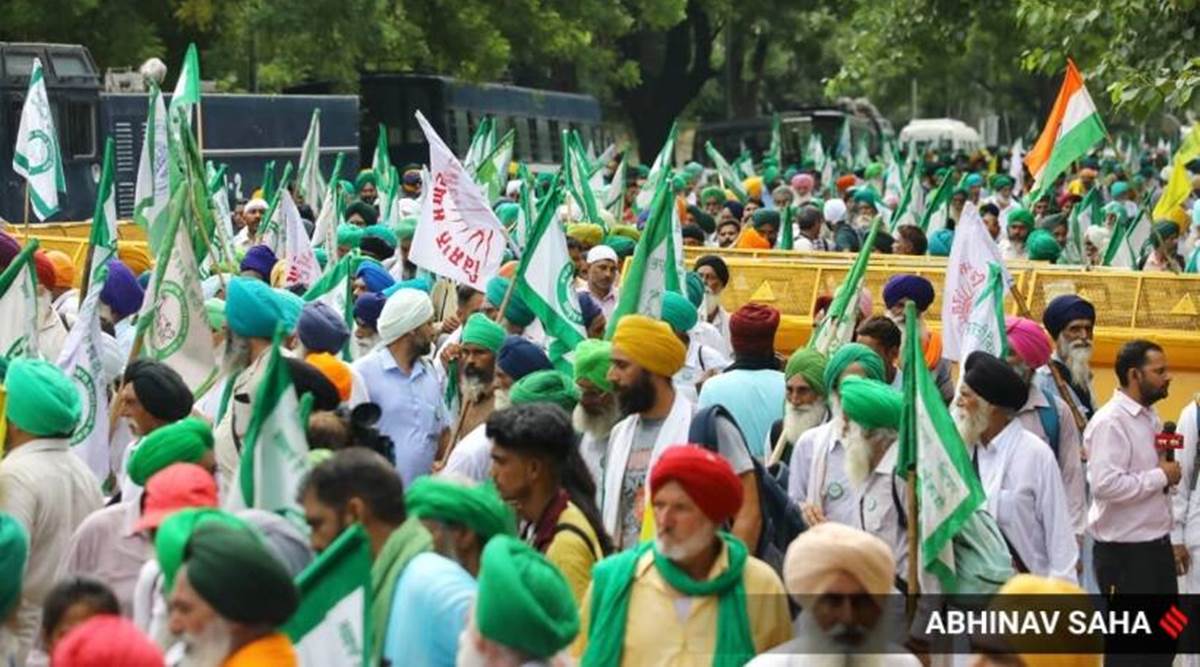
(1130, 516)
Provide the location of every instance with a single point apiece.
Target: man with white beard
(1018, 471)
(817, 479)
(1070, 321)
(229, 599)
(367, 308)
(805, 407)
(597, 411)
(715, 273)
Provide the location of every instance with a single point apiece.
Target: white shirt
(708, 334)
(877, 511)
(699, 360)
(1025, 493)
(594, 452)
(1070, 462)
(1184, 499)
(825, 483)
(472, 456)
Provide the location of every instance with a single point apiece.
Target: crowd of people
(612, 506)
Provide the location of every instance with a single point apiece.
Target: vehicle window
(66, 64)
(78, 134)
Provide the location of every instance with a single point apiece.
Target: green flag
(187, 87)
(660, 171)
(787, 240)
(725, 173)
(576, 175)
(939, 200)
(381, 162)
(1083, 215)
(816, 151)
(492, 172)
(19, 306)
(332, 625)
(152, 191)
(837, 328)
(546, 275)
(985, 329)
(775, 150)
(102, 240)
(481, 144)
(657, 263)
(309, 182)
(613, 197)
(1128, 238)
(36, 156)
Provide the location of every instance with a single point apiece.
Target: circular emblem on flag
(568, 301)
(88, 421)
(170, 321)
(39, 152)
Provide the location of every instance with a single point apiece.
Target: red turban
(707, 478)
(1029, 341)
(846, 182)
(44, 268)
(752, 329)
(106, 640)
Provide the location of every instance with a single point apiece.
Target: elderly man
(1070, 320)
(359, 486)
(899, 290)
(817, 476)
(49, 490)
(366, 323)
(230, 597)
(403, 384)
(715, 273)
(1019, 473)
(478, 346)
(752, 389)
(602, 264)
(253, 313)
(805, 407)
(645, 355)
(1046, 416)
(523, 614)
(152, 395)
(841, 576)
(597, 412)
(721, 600)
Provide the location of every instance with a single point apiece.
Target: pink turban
(1028, 340)
(803, 181)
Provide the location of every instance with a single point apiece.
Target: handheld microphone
(1167, 442)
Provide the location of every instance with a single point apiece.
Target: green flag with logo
(332, 625)
(546, 275)
(19, 306)
(309, 182)
(36, 156)
(837, 327)
(152, 190)
(657, 263)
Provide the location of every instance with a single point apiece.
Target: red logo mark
(1173, 622)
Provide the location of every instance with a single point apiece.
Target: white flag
(19, 306)
(330, 626)
(458, 237)
(152, 192)
(37, 157)
(966, 274)
(302, 266)
(325, 227)
(309, 181)
(985, 329)
(81, 361)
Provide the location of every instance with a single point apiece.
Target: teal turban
(763, 217)
(545, 386)
(349, 236)
(848, 355)
(478, 507)
(1021, 216)
(1119, 188)
(382, 233)
(941, 242)
(254, 310)
(870, 403)
(184, 441)
(1041, 246)
(516, 312)
(508, 213)
(406, 229)
(866, 195)
(524, 602)
(623, 245)
(482, 331)
(592, 360)
(322, 256)
(364, 177)
(1165, 229)
(810, 364)
(678, 312)
(972, 180)
(42, 400)
(998, 181)
(695, 288)
(14, 552)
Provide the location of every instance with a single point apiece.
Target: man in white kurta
(1185, 502)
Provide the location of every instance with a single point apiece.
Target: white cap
(601, 252)
(835, 210)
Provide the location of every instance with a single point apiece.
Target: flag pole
(914, 553)
(87, 272)
(27, 210)
(1059, 382)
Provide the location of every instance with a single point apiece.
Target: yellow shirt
(571, 554)
(274, 650)
(668, 628)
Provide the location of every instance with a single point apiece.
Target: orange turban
(64, 268)
(750, 238)
(135, 257)
(334, 370)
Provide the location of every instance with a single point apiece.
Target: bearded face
(596, 422)
(500, 399)
(637, 397)
(864, 448)
(1077, 355)
(364, 344)
(799, 419)
(210, 647)
(971, 421)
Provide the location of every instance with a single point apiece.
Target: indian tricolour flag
(546, 275)
(1074, 126)
(19, 306)
(332, 624)
(930, 447)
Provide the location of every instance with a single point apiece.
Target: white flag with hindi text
(966, 273)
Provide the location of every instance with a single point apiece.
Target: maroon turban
(707, 478)
(752, 330)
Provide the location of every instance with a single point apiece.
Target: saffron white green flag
(275, 450)
(546, 275)
(36, 156)
(332, 625)
(657, 263)
(152, 192)
(309, 181)
(985, 329)
(19, 306)
(1071, 130)
(81, 361)
(949, 491)
(725, 173)
(966, 273)
(837, 327)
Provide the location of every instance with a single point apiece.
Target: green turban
(545, 386)
(1021, 216)
(406, 229)
(628, 231)
(383, 233)
(349, 236)
(848, 355)
(255, 310)
(695, 288)
(508, 212)
(642, 171)
(873, 170)
(42, 400)
(1000, 181)
(866, 195)
(171, 538)
(14, 552)
(1119, 188)
(592, 360)
(322, 256)
(215, 309)
(482, 331)
(678, 312)
(623, 245)
(1041, 246)
(870, 403)
(516, 312)
(478, 507)
(810, 364)
(184, 441)
(364, 177)
(693, 169)
(763, 217)
(1114, 208)
(364, 210)
(524, 602)
(236, 574)
(712, 193)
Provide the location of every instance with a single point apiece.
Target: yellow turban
(1024, 585)
(279, 273)
(135, 257)
(586, 233)
(650, 343)
(753, 187)
(827, 549)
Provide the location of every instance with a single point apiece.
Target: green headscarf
(349, 236)
(524, 602)
(170, 541)
(678, 312)
(1041, 246)
(482, 331)
(846, 356)
(545, 386)
(42, 400)
(871, 403)
(1021, 216)
(184, 441)
(405, 543)
(14, 552)
(478, 506)
(592, 360)
(810, 364)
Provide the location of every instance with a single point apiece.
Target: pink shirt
(1128, 503)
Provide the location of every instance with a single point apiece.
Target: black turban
(308, 380)
(717, 265)
(995, 381)
(159, 389)
(1065, 309)
(238, 576)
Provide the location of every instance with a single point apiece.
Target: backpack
(781, 518)
(1048, 415)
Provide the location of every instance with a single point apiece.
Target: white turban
(404, 311)
(256, 204)
(601, 252)
(827, 549)
(835, 210)
(1098, 236)
(512, 188)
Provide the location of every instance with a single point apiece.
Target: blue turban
(519, 357)
(254, 310)
(908, 286)
(588, 308)
(322, 329)
(973, 181)
(144, 278)
(941, 242)
(121, 291)
(367, 308)
(1065, 309)
(848, 355)
(516, 312)
(260, 259)
(374, 276)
